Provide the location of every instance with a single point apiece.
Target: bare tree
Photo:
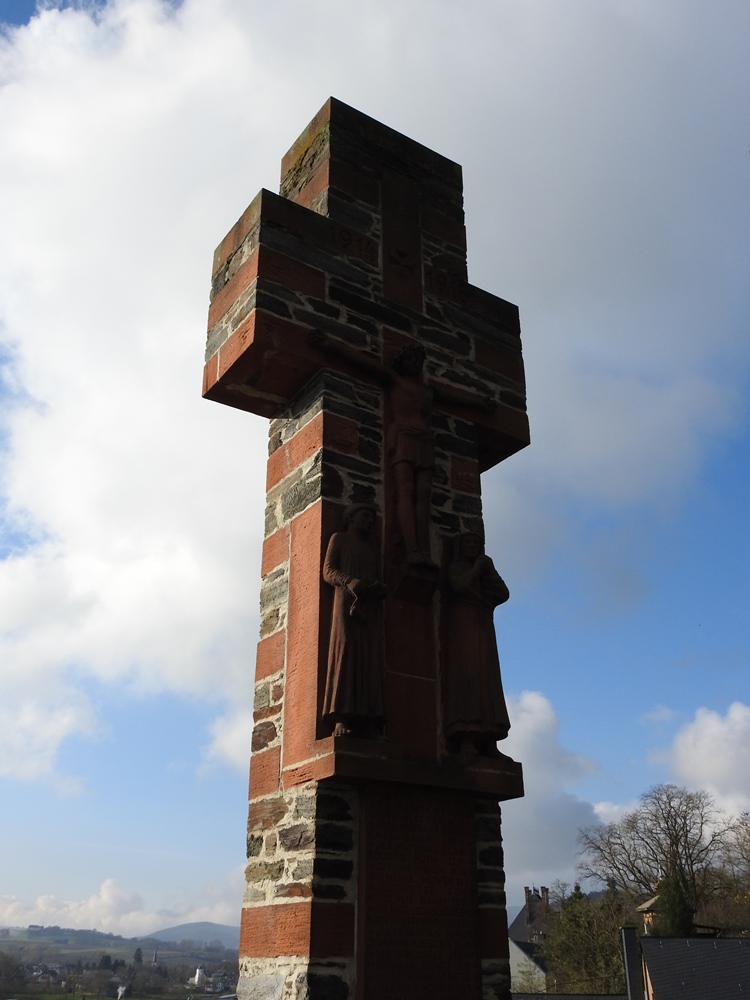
(737, 850)
(672, 833)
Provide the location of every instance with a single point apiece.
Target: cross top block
(366, 242)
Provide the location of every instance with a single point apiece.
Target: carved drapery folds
(475, 713)
(353, 698)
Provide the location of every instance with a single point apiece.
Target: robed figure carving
(475, 713)
(353, 698)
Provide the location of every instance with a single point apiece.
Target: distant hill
(202, 930)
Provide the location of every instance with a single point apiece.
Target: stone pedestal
(375, 867)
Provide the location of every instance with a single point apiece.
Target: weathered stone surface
(270, 987)
(267, 813)
(263, 734)
(299, 496)
(334, 838)
(254, 845)
(292, 890)
(333, 807)
(297, 837)
(258, 871)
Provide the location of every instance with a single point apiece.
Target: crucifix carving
(410, 451)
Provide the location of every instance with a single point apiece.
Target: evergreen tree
(674, 915)
(582, 947)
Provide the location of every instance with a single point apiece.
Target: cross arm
(362, 360)
(460, 397)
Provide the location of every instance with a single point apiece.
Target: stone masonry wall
(492, 902)
(302, 852)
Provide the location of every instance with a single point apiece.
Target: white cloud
(612, 812)
(133, 139)
(230, 739)
(540, 830)
(34, 724)
(143, 564)
(711, 753)
(117, 910)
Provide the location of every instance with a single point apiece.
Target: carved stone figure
(354, 680)
(474, 707)
(409, 438)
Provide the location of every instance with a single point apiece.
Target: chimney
(527, 907)
(631, 954)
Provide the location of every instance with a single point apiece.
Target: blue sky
(16, 11)
(606, 169)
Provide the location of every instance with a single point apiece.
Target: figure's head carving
(353, 509)
(409, 359)
(468, 544)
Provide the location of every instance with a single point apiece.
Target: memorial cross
(341, 310)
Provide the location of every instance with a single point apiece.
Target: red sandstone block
(506, 420)
(363, 187)
(279, 360)
(499, 358)
(270, 656)
(269, 931)
(264, 772)
(411, 714)
(353, 244)
(465, 474)
(275, 550)
(233, 348)
(340, 433)
(269, 354)
(314, 228)
(304, 928)
(493, 933)
(446, 285)
(291, 273)
(305, 655)
(210, 373)
(332, 930)
(493, 308)
(410, 639)
(444, 227)
(237, 284)
(312, 770)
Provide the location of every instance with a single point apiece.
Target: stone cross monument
(341, 310)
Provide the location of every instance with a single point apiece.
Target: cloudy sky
(607, 177)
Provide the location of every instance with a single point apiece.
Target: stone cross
(375, 865)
